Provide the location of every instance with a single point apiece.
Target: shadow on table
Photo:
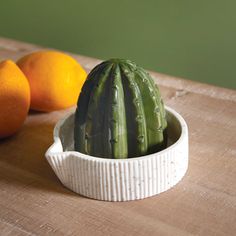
(22, 158)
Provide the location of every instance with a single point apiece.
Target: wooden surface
(33, 201)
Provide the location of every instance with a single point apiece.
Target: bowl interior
(66, 131)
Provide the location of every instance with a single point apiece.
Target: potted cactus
(121, 143)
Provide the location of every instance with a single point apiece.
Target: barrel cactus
(120, 113)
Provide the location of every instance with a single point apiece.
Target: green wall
(186, 38)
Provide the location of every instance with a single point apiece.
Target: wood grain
(33, 201)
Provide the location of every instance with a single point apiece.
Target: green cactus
(120, 113)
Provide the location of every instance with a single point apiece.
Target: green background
(191, 39)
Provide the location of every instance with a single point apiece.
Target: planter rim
(57, 141)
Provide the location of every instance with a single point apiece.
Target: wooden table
(34, 202)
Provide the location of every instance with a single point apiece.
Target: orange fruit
(14, 98)
(55, 79)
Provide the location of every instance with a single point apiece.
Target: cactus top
(120, 113)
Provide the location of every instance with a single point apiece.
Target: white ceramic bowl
(120, 179)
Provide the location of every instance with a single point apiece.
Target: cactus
(120, 113)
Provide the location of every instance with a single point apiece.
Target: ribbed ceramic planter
(120, 179)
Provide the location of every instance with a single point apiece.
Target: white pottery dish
(120, 179)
